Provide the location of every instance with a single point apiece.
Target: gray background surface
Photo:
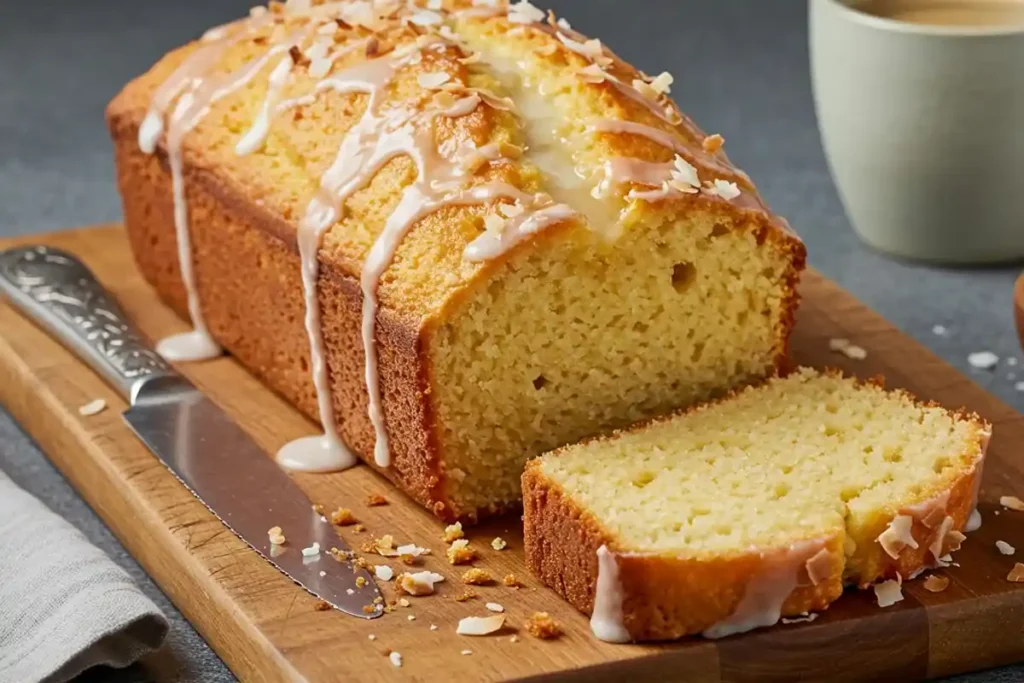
(741, 70)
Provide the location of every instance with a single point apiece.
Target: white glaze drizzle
(606, 621)
(768, 590)
(257, 133)
(191, 107)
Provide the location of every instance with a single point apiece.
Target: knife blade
(189, 433)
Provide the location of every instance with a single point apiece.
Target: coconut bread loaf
(765, 504)
(457, 234)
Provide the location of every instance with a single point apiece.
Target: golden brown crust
(664, 598)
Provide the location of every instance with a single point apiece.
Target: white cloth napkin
(64, 605)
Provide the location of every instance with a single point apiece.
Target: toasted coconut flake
(396, 659)
(662, 83)
(592, 73)
(563, 24)
(728, 190)
(92, 408)
(418, 583)
(433, 627)
(898, 535)
(426, 18)
(807, 618)
(466, 652)
(383, 572)
(819, 567)
(955, 539)
(684, 176)
(888, 592)
(936, 584)
(940, 536)
(402, 602)
(276, 536)
(713, 143)
(480, 626)
(412, 549)
(499, 543)
(1016, 574)
(494, 607)
(542, 625)
(1012, 503)
(524, 12)
(1005, 548)
(433, 80)
(983, 360)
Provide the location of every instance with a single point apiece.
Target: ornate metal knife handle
(62, 296)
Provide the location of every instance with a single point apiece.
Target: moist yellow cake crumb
(459, 552)
(512, 581)
(375, 499)
(453, 532)
(542, 625)
(477, 577)
(343, 517)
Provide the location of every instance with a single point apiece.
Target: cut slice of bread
(765, 504)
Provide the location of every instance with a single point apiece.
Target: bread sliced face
(757, 486)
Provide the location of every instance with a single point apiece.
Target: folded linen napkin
(64, 605)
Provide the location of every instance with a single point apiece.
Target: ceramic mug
(923, 128)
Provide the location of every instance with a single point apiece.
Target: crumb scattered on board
(453, 532)
(888, 592)
(276, 536)
(512, 581)
(396, 658)
(322, 606)
(542, 625)
(936, 584)
(1016, 574)
(983, 360)
(343, 517)
(460, 552)
(1012, 502)
(494, 607)
(847, 348)
(1005, 548)
(465, 595)
(477, 577)
(499, 543)
(375, 499)
(92, 408)
(480, 626)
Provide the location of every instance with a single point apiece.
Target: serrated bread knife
(197, 441)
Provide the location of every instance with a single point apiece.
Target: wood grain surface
(266, 628)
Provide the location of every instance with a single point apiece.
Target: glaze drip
(606, 621)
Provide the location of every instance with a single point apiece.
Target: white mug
(923, 128)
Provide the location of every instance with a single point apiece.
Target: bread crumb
(322, 606)
(541, 625)
(360, 581)
(92, 408)
(359, 528)
(343, 517)
(459, 552)
(494, 607)
(512, 581)
(1012, 503)
(477, 577)
(499, 543)
(1016, 574)
(1005, 548)
(375, 499)
(369, 609)
(453, 532)
(936, 584)
(276, 536)
(465, 595)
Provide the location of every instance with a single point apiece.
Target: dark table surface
(741, 70)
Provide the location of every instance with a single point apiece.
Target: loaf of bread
(760, 505)
(457, 234)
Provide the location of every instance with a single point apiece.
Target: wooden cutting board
(266, 628)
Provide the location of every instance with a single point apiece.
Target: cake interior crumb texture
(806, 457)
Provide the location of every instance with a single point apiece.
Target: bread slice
(648, 298)
(765, 504)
